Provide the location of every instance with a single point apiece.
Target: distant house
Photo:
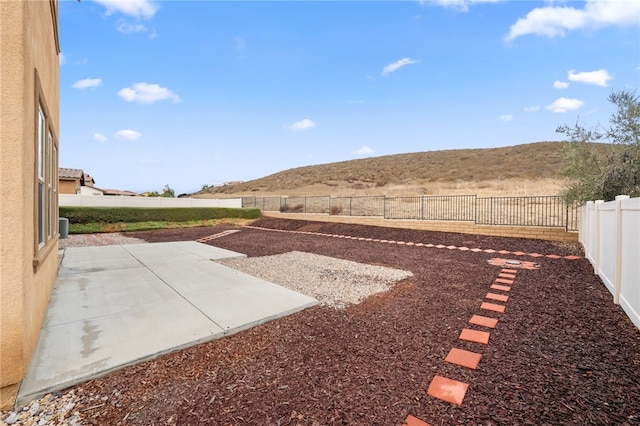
(29, 129)
(76, 181)
(71, 180)
(91, 190)
(88, 180)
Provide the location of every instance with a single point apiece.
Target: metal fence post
(475, 209)
(384, 206)
(491, 210)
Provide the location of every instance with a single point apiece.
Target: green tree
(592, 176)
(168, 192)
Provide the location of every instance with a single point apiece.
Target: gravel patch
(87, 240)
(50, 410)
(333, 282)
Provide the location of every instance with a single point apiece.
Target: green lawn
(92, 228)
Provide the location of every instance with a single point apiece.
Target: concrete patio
(114, 306)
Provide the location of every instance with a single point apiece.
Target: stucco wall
(27, 40)
(68, 186)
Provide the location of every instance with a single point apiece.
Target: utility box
(63, 224)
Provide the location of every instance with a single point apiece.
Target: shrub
(298, 208)
(593, 178)
(141, 214)
(335, 210)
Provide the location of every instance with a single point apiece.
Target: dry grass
(530, 169)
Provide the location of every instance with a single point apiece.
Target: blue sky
(187, 93)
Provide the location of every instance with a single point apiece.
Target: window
(40, 179)
(54, 179)
(50, 214)
(46, 179)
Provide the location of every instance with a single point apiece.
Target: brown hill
(529, 169)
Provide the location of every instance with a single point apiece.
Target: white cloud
(144, 93)
(459, 5)
(87, 83)
(128, 134)
(597, 78)
(560, 84)
(139, 9)
(303, 124)
(506, 117)
(555, 21)
(127, 28)
(564, 105)
(532, 108)
(61, 59)
(397, 65)
(365, 150)
(99, 137)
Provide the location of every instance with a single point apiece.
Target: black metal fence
(550, 211)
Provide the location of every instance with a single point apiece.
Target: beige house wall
(69, 186)
(533, 232)
(29, 47)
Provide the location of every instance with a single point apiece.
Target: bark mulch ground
(561, 353)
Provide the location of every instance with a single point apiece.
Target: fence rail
(547, 211)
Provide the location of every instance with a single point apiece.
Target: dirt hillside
(529, 169)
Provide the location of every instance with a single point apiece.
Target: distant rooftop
(70, 173)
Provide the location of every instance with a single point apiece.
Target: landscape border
(535, 232)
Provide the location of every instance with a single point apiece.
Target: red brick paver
(500, 287)
(448, 390)
(492, 307)
(474, 336)
(483, 321)
(507, 276)
(414, 421)
(464, 358)
(498, 297)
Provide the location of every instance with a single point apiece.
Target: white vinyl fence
(73, 200)
(610, 234)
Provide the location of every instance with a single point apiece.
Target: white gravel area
(50, 410)
(333, 282)
(107, 239)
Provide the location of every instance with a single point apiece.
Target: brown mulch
(562, 353)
